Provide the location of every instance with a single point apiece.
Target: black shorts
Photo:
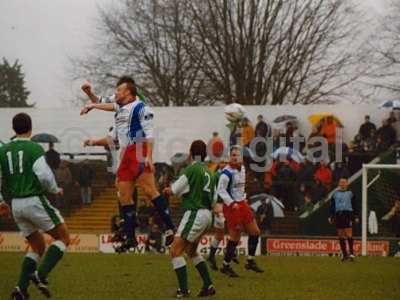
(344, 219)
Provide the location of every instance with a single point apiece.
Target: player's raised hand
(60, 192)
(86, 88)
(88, 143)
(86, 109)
(5, 210)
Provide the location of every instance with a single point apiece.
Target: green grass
(100, 276)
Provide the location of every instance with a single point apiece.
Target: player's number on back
(20, 162)
(207, 186)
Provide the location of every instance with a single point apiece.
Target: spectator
(215, 146)
(283, 184)
(318, 191)
(324, 174)
(392, 117)
(396, 127)
(340, 171)
(289, 134)
(394, 218)
(53, 158)
(328, 130)
(247, 133)
(306, 173)
(262, 128)
(235, 135)
(85, 177)
(308, 205)
(386, 135)
(301, 195)
(366, 128)
(264, 215)
(64, 179)
(154, 241)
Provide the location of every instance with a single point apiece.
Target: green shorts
(194, 224)
(35, 213)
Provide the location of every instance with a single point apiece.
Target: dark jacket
(365, 129)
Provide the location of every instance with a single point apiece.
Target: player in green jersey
(27, 177)
(197, 189)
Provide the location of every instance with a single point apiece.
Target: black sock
(351, 242)
(252, 245)
(213, 250)
(129, 216)
(230, 251)
(343, 246)
(160, 204)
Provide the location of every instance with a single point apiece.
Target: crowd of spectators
(300, 184)
(70, 176)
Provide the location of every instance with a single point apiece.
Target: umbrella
(44, 138)
(289, 153)
(318, 117)
(277, 206)
(391, 104)
(285, 119)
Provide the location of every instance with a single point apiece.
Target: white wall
(176, 127)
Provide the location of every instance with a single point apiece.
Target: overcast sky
(42, 34)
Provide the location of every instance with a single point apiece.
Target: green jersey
(196, 186)
(17, 160)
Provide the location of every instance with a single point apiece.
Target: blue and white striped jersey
(133, 123)
(231, 185)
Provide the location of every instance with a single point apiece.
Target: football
(234, 112)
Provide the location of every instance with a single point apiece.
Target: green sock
(29, 265)
(179, 265)
(204, 273)
(52, 257)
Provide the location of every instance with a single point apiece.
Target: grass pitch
(101, 276)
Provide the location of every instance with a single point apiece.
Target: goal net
(380, 189)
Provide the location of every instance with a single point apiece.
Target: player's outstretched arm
(87, 89)
(100, 106)
(105, 141)
(179, 187)
(222, 190)
(46, 176)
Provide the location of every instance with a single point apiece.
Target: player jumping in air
(196, 187)
(343, 210)
(134, 132)
(237, 212)
(27, 178)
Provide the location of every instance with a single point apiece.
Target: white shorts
(194, 224)
(219, 221)
(35, 213)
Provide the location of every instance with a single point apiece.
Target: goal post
(364, 204)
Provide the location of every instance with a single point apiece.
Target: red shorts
(236, 219)
(132, 162)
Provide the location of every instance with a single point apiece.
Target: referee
(342, 212)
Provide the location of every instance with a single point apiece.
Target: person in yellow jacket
(247, 132)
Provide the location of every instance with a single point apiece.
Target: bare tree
(185, 52)
(146, 40)
(276, 51)
(385, 47)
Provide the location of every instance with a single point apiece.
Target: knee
(174, 252)
(66, 239)
(40, 251)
